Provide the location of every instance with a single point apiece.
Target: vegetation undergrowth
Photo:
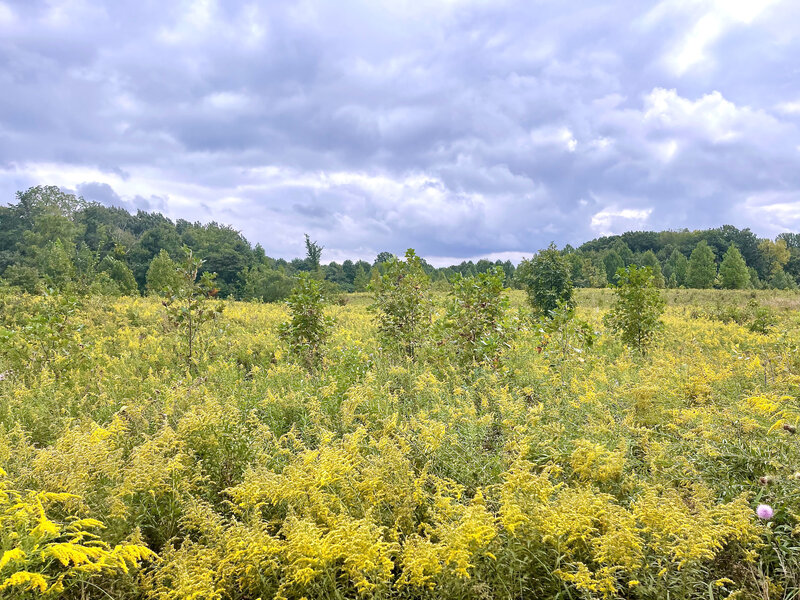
(499, 455)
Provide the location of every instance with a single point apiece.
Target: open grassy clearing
(571, 469)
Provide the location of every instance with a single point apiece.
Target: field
(572, 467)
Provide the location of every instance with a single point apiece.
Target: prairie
(571, 468)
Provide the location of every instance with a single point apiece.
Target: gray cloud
(461, 129)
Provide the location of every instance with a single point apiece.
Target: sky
(461, 128)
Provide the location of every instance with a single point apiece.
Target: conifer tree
(702, 270)
(733, 273)
(649, 259)
(676, 268)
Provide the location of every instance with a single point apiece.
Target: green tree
(612, 262)
(593, 271)
(55, 263)
(46, 214)
(402, 304)
(23, 277)
(637, 309)
(267, 285)
(476, 323)
(755, 280)
(190, 306)
(120, 274)
(623, 250)
(308, 327)
(224, 251)
(159, 235)
(313, 255)
(782, 281)
(546, 278)
(676, 268)
(382, 258)
(733, 273)
(774, 255)
(163, 275)
(649, 259)
(702, 270)
(361, 279)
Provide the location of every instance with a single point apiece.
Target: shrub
(44, 554)
(638, 305)
(477, 324)
(308, 327)
(762, 319)
(546, 278)
(120, 274)
(401, 301)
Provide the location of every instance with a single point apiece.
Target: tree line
(52, 239)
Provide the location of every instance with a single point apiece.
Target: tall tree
(702, 269)
(649, 259)
(676, 268)
(775, 255)
(612, 261)
(733, 273)
(163, 275)
(361, 279)
(313, 255)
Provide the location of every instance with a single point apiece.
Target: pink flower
(764, 511)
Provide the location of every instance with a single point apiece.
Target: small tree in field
(189, 305)
(308, 328)
(477, 323)
(638, 306)
(402, 303)
(546, 278)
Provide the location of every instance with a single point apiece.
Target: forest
(52, 239)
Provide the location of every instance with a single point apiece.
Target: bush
(477, 324)
(25, 278)
(762, 319)
(119, 273)
(546, 278)
(266, 285)
(638, 306)
(308, 327)
(401, 301)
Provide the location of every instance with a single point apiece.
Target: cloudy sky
(462, 128)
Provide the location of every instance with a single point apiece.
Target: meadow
(571, 467)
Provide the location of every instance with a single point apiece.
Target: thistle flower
(764, 511)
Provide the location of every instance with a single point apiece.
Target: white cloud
(789, 108)
(228, 101)
(775, 211)
(613, 220)
(7, 17)
(708, 21)
(717, 119)
(560, 137)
